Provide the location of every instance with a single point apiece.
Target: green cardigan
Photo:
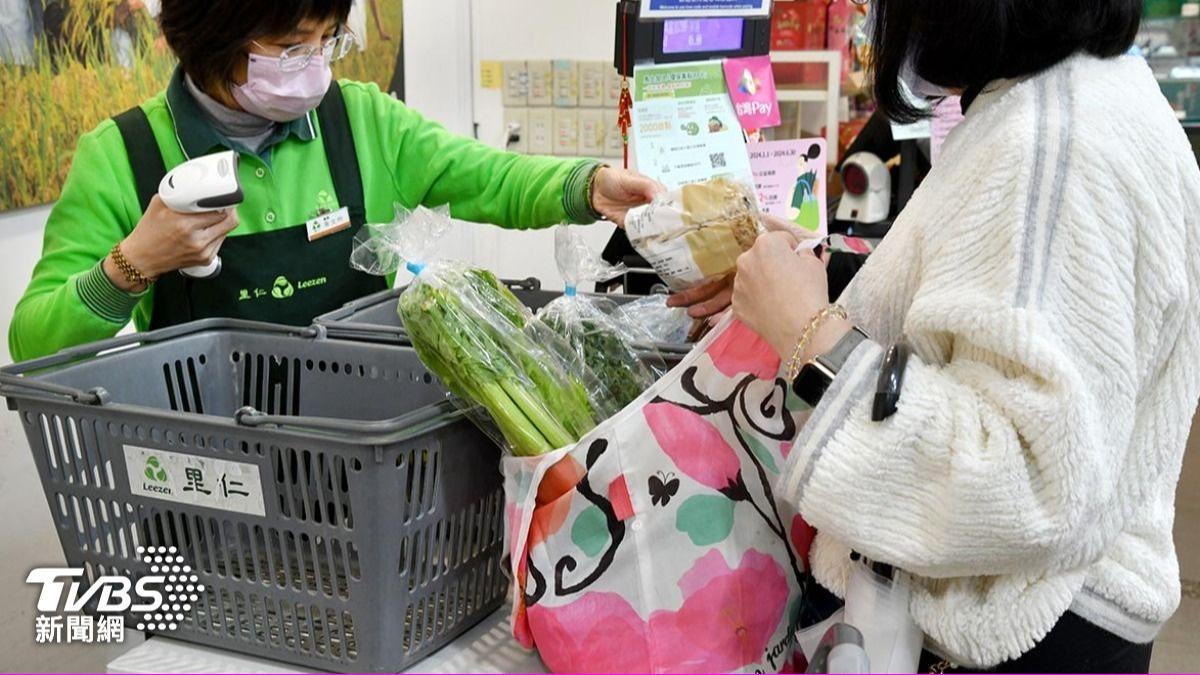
(403, 157)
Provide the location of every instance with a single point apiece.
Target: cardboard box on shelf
(593, 131)
(541, 84)
(520, 118)
(614, 144)
(799, 25)
(591, 84)
(516, 84)
(839, 24)
(612, 88)
(541, 131)
(566, 132)
(566, 83)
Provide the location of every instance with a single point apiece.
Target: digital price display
(678, 31)
(694, 36)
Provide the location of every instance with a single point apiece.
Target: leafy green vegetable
(468, 329)
(604, 349)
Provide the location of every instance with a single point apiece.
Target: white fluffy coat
(1047, 274)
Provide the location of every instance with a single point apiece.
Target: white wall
(445, 40)
(20, 247)
(517, 30)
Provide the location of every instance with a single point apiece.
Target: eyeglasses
(297, 57)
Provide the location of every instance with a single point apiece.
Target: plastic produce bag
(471, 332)
(877, 606)
(696, 233)
(604, 345)
(652, 316)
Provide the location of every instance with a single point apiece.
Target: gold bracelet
(822, 317)
(132, 274)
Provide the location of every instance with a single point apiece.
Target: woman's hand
(615, 191)
(709, 300)
(706, 300)
(777, 292)
(165, 241)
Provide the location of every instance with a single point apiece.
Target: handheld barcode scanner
(208, 183)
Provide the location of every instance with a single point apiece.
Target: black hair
(965, 44)
(209, 37)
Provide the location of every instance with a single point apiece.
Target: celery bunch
(468, 329)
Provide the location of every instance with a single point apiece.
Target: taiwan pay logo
(158, 600)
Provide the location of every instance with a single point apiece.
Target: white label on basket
(200, 481)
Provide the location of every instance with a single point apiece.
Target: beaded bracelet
(822, 317)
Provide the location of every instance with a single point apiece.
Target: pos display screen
(700, 36)
(675, 38)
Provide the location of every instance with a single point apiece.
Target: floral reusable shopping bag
(655, 544)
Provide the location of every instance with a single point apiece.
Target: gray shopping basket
(373, 318)
(378, 536)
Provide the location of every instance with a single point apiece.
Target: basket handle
(334, 326)
(365, 301)
(152, 337)
(11, 384)
(251, 417)
(12, 378)
(526, 284)
(364, 331)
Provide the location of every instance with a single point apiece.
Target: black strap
(144, 157)
(341, 154)
(149, 169)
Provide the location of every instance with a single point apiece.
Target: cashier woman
(255, 76)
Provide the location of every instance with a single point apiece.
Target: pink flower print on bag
(694, 445)
(714, 631)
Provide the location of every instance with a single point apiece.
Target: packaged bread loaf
(696, 233)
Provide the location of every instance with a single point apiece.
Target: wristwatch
(816, 375)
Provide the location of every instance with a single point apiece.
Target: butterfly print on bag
(662, 488)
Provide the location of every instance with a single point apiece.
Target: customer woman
(254, 76)
(1046, 278)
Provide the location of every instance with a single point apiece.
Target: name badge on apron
(328, 223)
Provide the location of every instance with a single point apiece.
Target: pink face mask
(281, 95)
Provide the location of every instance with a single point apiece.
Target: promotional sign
(667, 9)
(752, 88)
(685, 129)
(790, 177)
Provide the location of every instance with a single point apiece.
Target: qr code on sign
(717, 159)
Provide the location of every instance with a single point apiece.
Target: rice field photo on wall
(66, 65)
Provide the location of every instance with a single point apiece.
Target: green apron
(259, 271)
